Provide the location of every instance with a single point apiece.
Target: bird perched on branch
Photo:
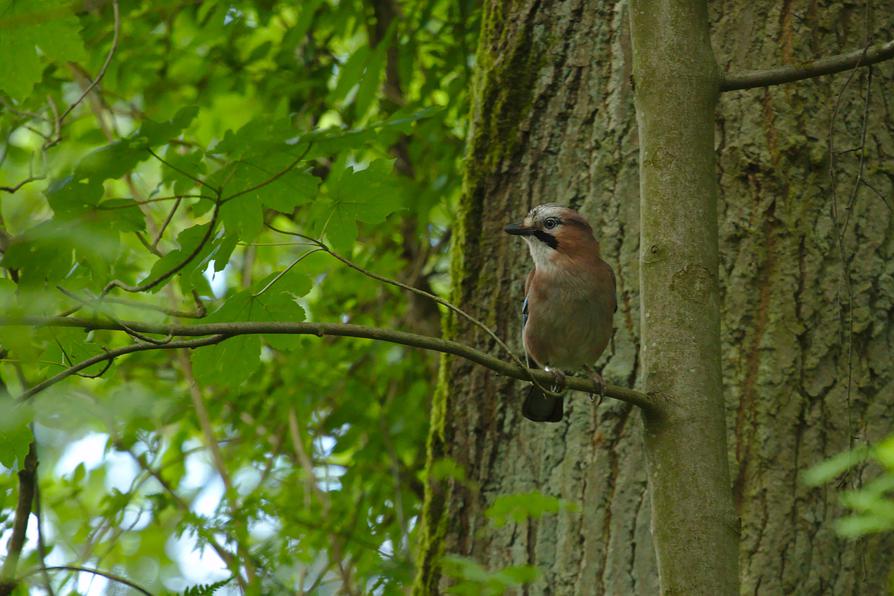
(569, 301)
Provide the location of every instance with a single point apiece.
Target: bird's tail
(541, 407)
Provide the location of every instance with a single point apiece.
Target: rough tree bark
(553, 120)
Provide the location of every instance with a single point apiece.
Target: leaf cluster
(161, 144)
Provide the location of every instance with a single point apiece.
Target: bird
(569, 301)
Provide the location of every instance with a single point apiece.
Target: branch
(27, 481)
(109, 576)
(99, 76)
(221, 331)
(419, 292)
(152, 283)
(225, 555)
(14, 188)
(787, 74)
(180, 314)
(112, 354)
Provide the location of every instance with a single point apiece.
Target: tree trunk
(553, 120)
(694, 529)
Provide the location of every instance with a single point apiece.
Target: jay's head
(555, 233)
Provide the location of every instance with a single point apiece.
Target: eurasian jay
(569, 300)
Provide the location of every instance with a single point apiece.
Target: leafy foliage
(267, 463)
(473, 579)
(520, 507)
(872, 504)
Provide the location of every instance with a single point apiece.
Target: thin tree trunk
(694, 529)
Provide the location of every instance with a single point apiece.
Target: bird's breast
(569, 324)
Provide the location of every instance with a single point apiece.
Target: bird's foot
(597, 379)
(558, 379)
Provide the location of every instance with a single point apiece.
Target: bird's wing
(525, 303)
(528, 360)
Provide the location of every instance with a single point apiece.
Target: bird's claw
(558, 379)
(600, 383)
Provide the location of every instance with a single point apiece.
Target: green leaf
(368, 195)
(26, 26)
(15, 432)
(828, 470)
(369, 84)
(243, 217)
(192, 163)
(234, 360)
(67, 195)
(520, 507)
(205, 589)
(349, 74)
(110, 162)
(68, 347)
(160, 133)
(291, 190)
(884, 452)
(228, 363)
(218, 248)
(475, 580)
(859, 525)
(121, 214)
(45, 252)
(258, 182)
(447, 467)
(263, 135)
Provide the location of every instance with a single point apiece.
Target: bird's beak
(518, 230)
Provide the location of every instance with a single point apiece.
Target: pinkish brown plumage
(569, 298)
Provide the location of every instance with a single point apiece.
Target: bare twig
(310, 479)
(286, 270)
(112, 354)
(183, 172)
(94, 306)
(109, 576)
(70, 362)
(147, 245)
(841, 230)
(226, 556)
(15, 187)
(166, 223)
(180, 314)
(133, 202)
(824, 66)
(59, 120)
(217, 458)
(41, 541)
(221, 331)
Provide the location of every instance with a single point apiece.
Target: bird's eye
(550, 222)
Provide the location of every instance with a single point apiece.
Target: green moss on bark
(508, 61)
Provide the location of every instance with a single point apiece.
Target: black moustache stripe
(547, 239)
